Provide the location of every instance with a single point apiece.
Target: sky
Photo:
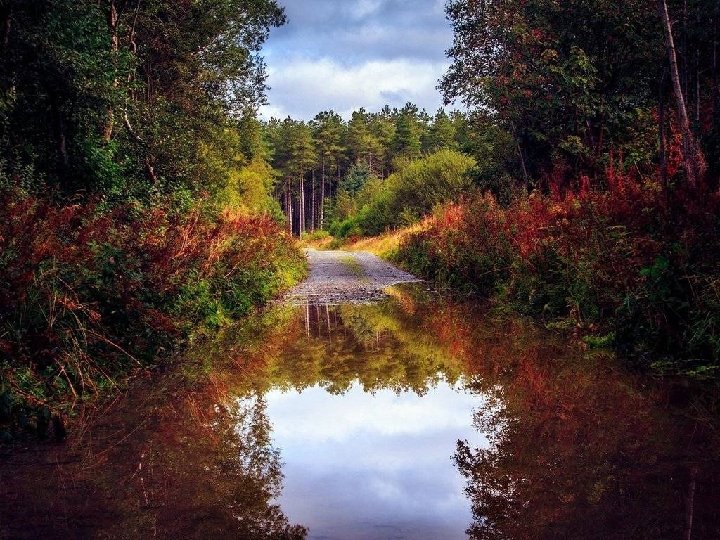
(347, 54)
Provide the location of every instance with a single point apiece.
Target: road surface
(340, 277)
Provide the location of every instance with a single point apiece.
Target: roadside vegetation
(610, 226)
(137, 207)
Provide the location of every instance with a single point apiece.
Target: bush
(88, 295)
(632, 261)
(406, 196)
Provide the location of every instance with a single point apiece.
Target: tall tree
(567, 79)
(362, 144)
(128, 88)
(300, 160)
(693, 158)
(328, 131)
(441, 133)
(382, 127)
(407, 132)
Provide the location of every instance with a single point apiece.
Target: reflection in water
(346, 420)
(580, 448)
(168, 461)
(367, 414)
(214, 479)
(361, 466)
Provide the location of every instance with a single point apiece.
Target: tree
(131, 91)
(295, 156)
(441, 133)
(567, 79)
(328, 131)
(693, 159)
(407, 132)
(362, 144)
(382, 128)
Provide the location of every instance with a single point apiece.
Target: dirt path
(339, 277)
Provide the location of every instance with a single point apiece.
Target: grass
(318, 239)
(353, 266)
(384, 246)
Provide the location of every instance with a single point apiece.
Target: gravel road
(346, 277)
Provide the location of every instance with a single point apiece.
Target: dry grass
(384, 246)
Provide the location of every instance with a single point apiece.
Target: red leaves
(587, 246)
(100, 287)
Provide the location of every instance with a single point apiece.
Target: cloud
(381, 458)
(346, 54)
(311, 86)
(358, 31)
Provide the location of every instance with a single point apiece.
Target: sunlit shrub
(405, 197)
(632, 260)
(88, 294)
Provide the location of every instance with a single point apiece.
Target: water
(413, 418)
(367, 442)
(385, 455)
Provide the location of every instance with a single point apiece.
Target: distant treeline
(315, 160)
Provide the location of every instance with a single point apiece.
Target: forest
(138, 214)
(580, 188)
(145, 204)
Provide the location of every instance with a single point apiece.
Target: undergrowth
(633, 265)
(91, 295)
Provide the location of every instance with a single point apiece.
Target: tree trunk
(690, 503)
(715, 84)
(301, 225)
(322, 195)
(313, 203)
(150, 170)
(288, 207)
(114, 47)
(697, 75)
(693, 160)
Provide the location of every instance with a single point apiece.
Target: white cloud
(363, 8)
(303, 87)
(381, 458)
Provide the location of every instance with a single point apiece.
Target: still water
(379, 465)
(367, 443)
(415, 418)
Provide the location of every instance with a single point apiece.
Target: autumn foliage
(90, 294)
(629, 262)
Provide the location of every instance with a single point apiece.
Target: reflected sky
(367, 428)
(374, 465)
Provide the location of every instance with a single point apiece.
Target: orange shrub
(87, 294)
(620, 262)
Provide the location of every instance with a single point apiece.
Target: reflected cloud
(366, 415)
(380, 458)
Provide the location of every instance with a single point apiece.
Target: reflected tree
(379, 345)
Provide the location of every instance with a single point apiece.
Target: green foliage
(566, 79)
(325, 163)
(405, 196)
(355, 179)
(137, 200)
(98, 294)
(122, 100)
(421, 185)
